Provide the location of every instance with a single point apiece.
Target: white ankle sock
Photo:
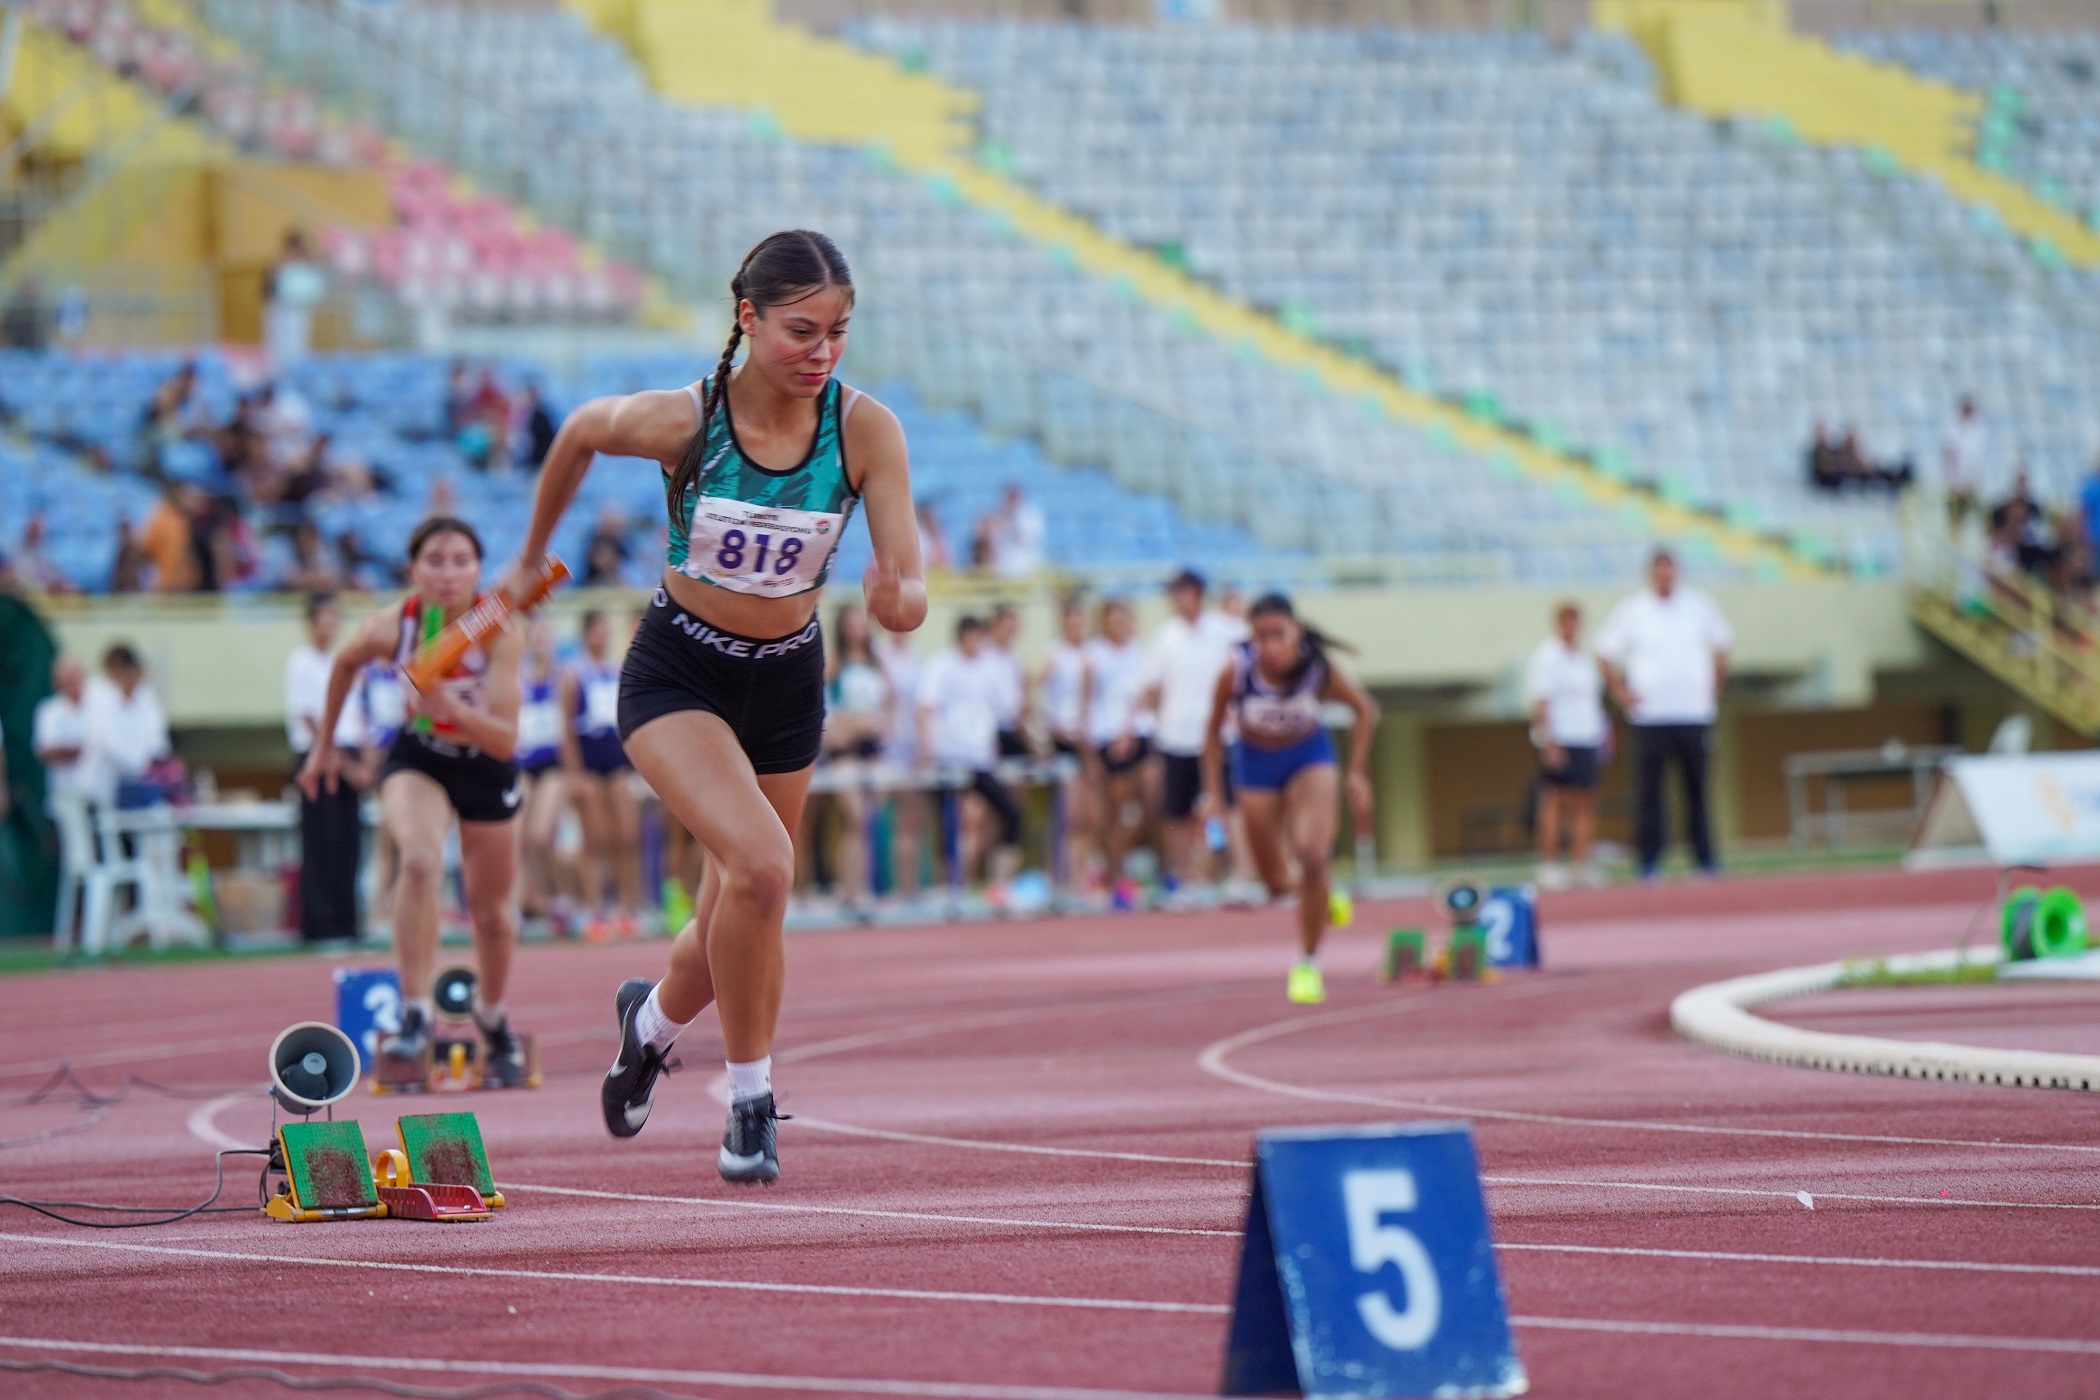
(652, 1026)
(750, 1081)
(486, 1016)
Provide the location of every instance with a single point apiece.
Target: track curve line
(1718, 1016)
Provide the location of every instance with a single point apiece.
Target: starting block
(452, 1061)
(1404, 954)
(440, 1172)
(1466, 956)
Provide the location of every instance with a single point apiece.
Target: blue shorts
(602, 754)
(1269, 770)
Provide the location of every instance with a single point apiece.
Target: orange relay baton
(479, 623)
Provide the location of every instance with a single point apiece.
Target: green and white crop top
(754, 530)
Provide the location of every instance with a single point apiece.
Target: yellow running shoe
(1341, 909)
(1306, 986)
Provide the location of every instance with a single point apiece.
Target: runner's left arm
(895, 582)
(1361, 736)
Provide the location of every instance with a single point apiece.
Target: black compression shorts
(769, 692)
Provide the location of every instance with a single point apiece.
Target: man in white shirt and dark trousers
(1566, 694)
(1190, 651)
(1665, 651)
(330, 831)
(959, 696)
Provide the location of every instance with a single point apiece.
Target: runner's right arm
(374, 640)
(656, 424)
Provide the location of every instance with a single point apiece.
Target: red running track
(1017, 1169)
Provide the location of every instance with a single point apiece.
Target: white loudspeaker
(312, 1065)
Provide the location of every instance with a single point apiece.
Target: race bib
(539, 726)
(768, 550)
(1280, 714)
(601, 704)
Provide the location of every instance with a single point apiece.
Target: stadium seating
(2042, 125)
(1491, 214)
(968, 314)
(387, 411)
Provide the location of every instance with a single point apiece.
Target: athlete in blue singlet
(595, 766)
(1283, 764)
(721, 703)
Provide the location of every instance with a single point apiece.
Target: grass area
(36, 956)
(1880, 974)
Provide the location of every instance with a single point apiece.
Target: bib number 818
(729, 558)
(1367, 1198)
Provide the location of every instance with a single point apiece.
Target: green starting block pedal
(1404, 954)
(327, 1176)
(445, 1149)
(1467, 959)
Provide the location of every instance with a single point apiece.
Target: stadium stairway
(2015, 630)
(735, 53)
(1741, 58)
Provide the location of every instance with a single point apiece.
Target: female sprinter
(1118, 732)
(595, 769)
(857, 715)
(539, 768)
(1284, 767)
(460, 765)
(722, 695)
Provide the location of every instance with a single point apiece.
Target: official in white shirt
(1665, 651)
(958, 701)
(1189, 652)
(1002, 634)
(1565, 690)
(59, 735)
(331, 835)
(127, 732)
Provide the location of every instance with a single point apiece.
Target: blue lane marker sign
(1509, 919)
(367, 1006)
(1367, 1269)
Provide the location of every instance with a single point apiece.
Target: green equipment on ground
(2039, 923)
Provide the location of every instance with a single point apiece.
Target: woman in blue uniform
(595, 769)
(1283, 765)
(721, 702)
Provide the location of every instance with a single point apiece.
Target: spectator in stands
(459, 398)
(285, 422)
(536, 428)
(60, 736)
(2019, 522)
(483, 434)
(1189, 652)
(171, 415)
(127, 567)
(933, 540)
(1009, 542)
(605, 558)
(1823, 473)
(359, 570)
(292, 289)
(127, 733)
(168, 539)
(330, 832)
(1665, 653)
(33, 567)
(1964, 459)
(312, 571)
(1566, 694)
(242, 451)
(24, 325)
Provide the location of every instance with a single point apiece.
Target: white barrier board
(2024, 809)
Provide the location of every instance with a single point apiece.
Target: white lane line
(127, 1056)
(728, 1285)
(1783, 1195)
(784, 1206)
(631, 1375)
(1820, 1260)
(1212, 1060)
(2061, 1346)
(203, 1121)
(978, 1144)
